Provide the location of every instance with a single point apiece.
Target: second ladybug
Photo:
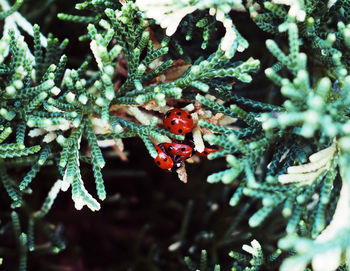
(178, 151)
(164, 161)
(178, 121)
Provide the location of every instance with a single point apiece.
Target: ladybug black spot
(178, 113)
(183, 148)
(170, 148)
(173, 122)
(180, 131)
(165, 159)
(189, 116)
(168, 127)
(205, 152)
(158, 163)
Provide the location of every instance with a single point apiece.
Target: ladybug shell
(180, 151)
(178, 121)
(207, 151)
(163, 160)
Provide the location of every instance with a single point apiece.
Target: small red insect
(178, 151)
(206, 151)
(178, 121)
(163, 160)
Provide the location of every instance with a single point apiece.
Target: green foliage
(286, 154)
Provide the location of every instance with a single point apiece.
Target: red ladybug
(163, 160)
(206, 151)
(178, 121)
(178, 151)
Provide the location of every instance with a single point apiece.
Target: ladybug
(206, 151)
(178, 121)
(178, 151)
(164, 161)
